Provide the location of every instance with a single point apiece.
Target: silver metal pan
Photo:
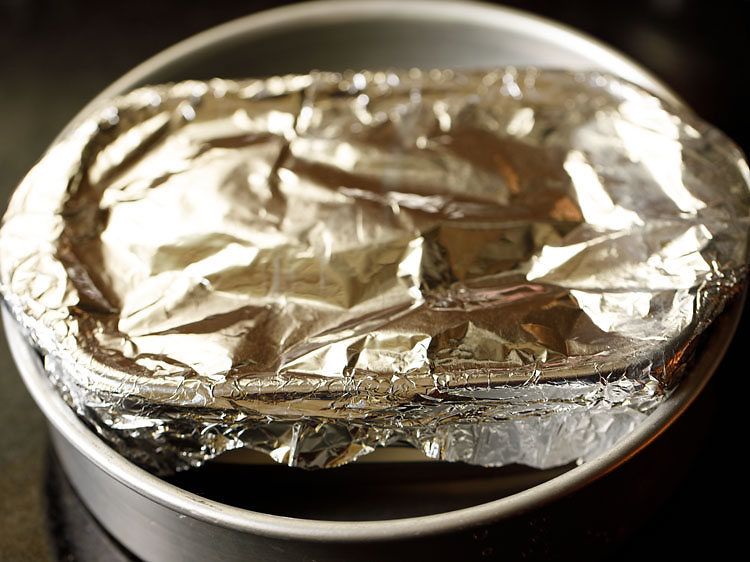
(395, 510)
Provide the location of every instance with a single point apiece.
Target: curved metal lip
(64, 420)
(340, 12)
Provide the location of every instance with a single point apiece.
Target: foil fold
(506, 266)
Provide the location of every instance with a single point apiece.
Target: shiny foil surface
(506, 266)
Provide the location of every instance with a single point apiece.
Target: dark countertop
(59, 54)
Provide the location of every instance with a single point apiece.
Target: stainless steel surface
(379, 34)
(107, 481)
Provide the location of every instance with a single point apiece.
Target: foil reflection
(493, 267)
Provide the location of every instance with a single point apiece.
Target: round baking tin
(160, 522)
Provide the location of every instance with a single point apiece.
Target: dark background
(55, 55)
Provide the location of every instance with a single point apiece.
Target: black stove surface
(58, 54)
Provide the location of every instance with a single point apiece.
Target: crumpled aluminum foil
(496, 267)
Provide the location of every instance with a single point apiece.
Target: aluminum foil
(496, 267)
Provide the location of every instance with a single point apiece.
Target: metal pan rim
(65, 421)
(338, 11)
